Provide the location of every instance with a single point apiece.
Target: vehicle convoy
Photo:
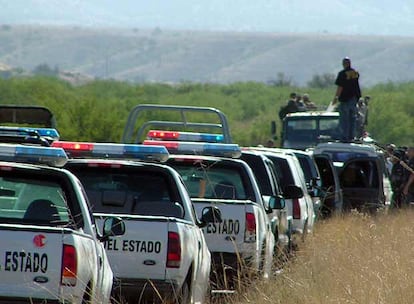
(50, 249)
(270, 188)
(163, 255)
(362, 174)
(214, 179)
(302, 130)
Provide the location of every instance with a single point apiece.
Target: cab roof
(346, 147)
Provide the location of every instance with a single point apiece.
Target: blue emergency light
(185, 136)
(43, 132)
(198, 148)
(33, 154)
(46, 132)
(112, 150)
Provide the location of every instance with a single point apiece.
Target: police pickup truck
(244, 237)
(243, 242)
(163, 255)
(50, 250)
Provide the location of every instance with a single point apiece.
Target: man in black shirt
(347, 93)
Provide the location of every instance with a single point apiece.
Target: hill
(158, 55)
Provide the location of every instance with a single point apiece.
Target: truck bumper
(13, 300)
(142, 288)
(229, 268)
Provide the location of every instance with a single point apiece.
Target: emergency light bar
(43, 132)
(185, 136)
(47, 132)
(112, 150)
(200, 148)
(33, 154)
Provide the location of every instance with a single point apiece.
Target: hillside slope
(174, 56)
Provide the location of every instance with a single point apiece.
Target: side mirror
(292, 192)
(277, 202)
(113, 226)
(210, 215)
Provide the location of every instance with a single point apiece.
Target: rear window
(360, 174)
(137, 192)
(283, 170)
(256, 163)
(28, 199)
(308, 170)
(214, 180)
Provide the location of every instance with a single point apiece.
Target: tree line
(97, 111)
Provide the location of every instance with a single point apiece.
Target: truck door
(331, 195)
(361, 183)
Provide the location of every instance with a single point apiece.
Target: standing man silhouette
(347, 93)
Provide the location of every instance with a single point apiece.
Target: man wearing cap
(347, 93)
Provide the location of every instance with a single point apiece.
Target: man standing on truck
(347, 93)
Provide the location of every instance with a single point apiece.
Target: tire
(184, 296)
(87, 295)
(305, 231)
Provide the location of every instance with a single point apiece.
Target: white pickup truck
(50, 250)
(163, 254)
(244, 239)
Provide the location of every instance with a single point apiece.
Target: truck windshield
(300, 132)
(343, 156)
(283, 170)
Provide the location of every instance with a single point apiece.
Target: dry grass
(355, 259)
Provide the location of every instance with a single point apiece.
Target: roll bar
(130, 137)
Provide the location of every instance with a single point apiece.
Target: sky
(353, 17)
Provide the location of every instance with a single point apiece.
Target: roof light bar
(112, 150)
(33, 154)
(43, 132)
(185, 136)
(47, 132)
(200, 148)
